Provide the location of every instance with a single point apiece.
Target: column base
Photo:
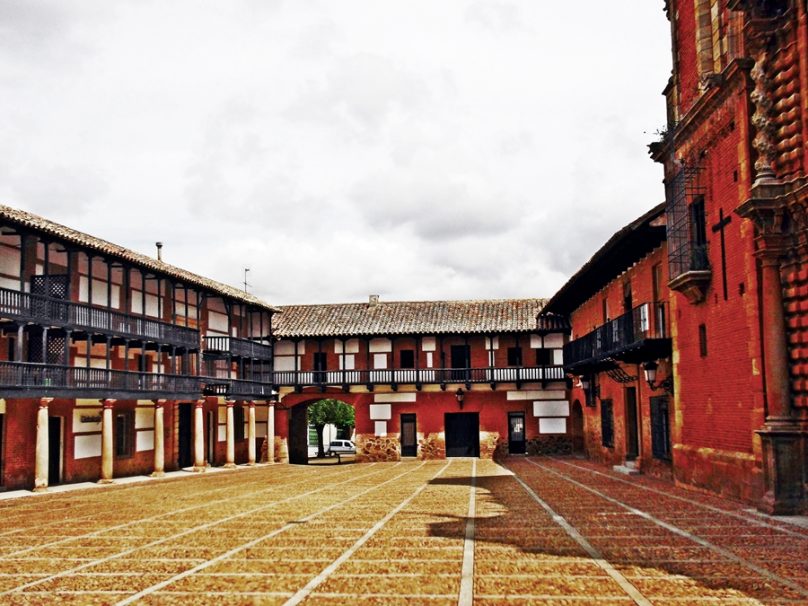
(250, 463)
(198, 469)
(40, 489)
(157, 474)
(229, 465)
(105, 481)
(783, 471)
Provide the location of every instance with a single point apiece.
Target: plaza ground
(528, 531)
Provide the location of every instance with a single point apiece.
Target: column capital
(108, 403)
(159, 403)
(251, 403)
(199, 403)
(229, 403)
(43, 402)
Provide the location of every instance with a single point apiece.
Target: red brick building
(113, 363)
(618, 308)
(426, 379)
(735, 157)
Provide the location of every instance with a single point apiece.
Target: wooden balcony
(26, 307)
(419, 377)
(237, 348)
(637, 336)
(30, 380)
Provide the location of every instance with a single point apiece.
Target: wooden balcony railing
(625, 333)
(79, 316)
(238, 348)
(420, 376)
(45, 379)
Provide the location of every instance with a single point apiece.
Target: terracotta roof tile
(408, 318)
(42, 225)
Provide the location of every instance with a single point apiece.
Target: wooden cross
(719, 227)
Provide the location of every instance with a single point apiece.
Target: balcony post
(42, 461)
(271, 433)
(106, 442)
(159, 440)
(199, 437)
(251, 433)
(230, 459)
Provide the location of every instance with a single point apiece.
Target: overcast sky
(418, 149)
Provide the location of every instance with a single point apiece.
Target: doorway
(185, 436)
(460, 362)
(516, 433)
(462, 434)
(577, 427)
(298, 433)
(409, 439)
(213, 435)
(632, 435)
(54, 450)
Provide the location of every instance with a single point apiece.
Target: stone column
(271, 433)
(42, 462)
(159, 440)
(230, 458)
(107, 453)
(199, 436)
(251, 434)
(778, 395)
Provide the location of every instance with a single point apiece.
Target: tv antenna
(246, 269)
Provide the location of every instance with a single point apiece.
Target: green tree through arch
(329, 412)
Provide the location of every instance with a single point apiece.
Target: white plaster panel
(80, 426)
(285, 348)
(491, 343)
(222, 434)
(380, 346)
(380, 361)
(537, 395)
(260, 430)
(535, 342)
(381, 412)
(222, 414)
(2, 407)
(350, 362)
(351, 346)
(10, 283)
(261, 414)
(395, 397)
(551, 408)
(554, 341)
(428, 344)
(558, 357)
(85, 447)
(551, 425)
(10, 261)
(429, 359)
(144, 440)
(285, 363)
(144, 417)
(217, 321)
(91, 402)
(380, 428)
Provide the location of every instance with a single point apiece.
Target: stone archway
(298, 436)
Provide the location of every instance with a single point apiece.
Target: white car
(341, 447)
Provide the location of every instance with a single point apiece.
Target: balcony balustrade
(638, 335)
(421, 376)
(238, 348)
(82, 317)
(21, 379)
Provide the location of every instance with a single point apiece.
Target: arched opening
(577, 427)
(316, 424)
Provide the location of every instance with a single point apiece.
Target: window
(698, 235)
(124, 433)
(703, 340)
(607, 423)
(514, 356)
(406, 358)
(544, 357)
(238, 423)
(12, 342)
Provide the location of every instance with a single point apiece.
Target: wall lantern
(650, 369)
(459, 395)
(591, 390)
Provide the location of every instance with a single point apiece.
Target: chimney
(373, 300)
(159, 246)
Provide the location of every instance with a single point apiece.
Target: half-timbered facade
(114, 363)
(426, 379)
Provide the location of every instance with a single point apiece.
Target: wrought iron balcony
(39, 309)
(21, 379)
(420, 376)
(238, 348)
(636, 336)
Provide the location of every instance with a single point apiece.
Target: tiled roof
(67, 234)
(408, 318)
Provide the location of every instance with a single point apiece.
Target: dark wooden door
(460, 362)
(320, 365)
(298, 443)
(2, 450)
(577, 423)
(409, 437)
(185, 436)
(462, 434)
(632, 435)
(213, 435)
(516, 433)
(660, 428)
(54, 450)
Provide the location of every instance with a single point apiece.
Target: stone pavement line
(596, 556)
(304, 592)
(131, 550)
(151, 518)
(466, 597)
(733, 514)
(682, 533)
(296, 524)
